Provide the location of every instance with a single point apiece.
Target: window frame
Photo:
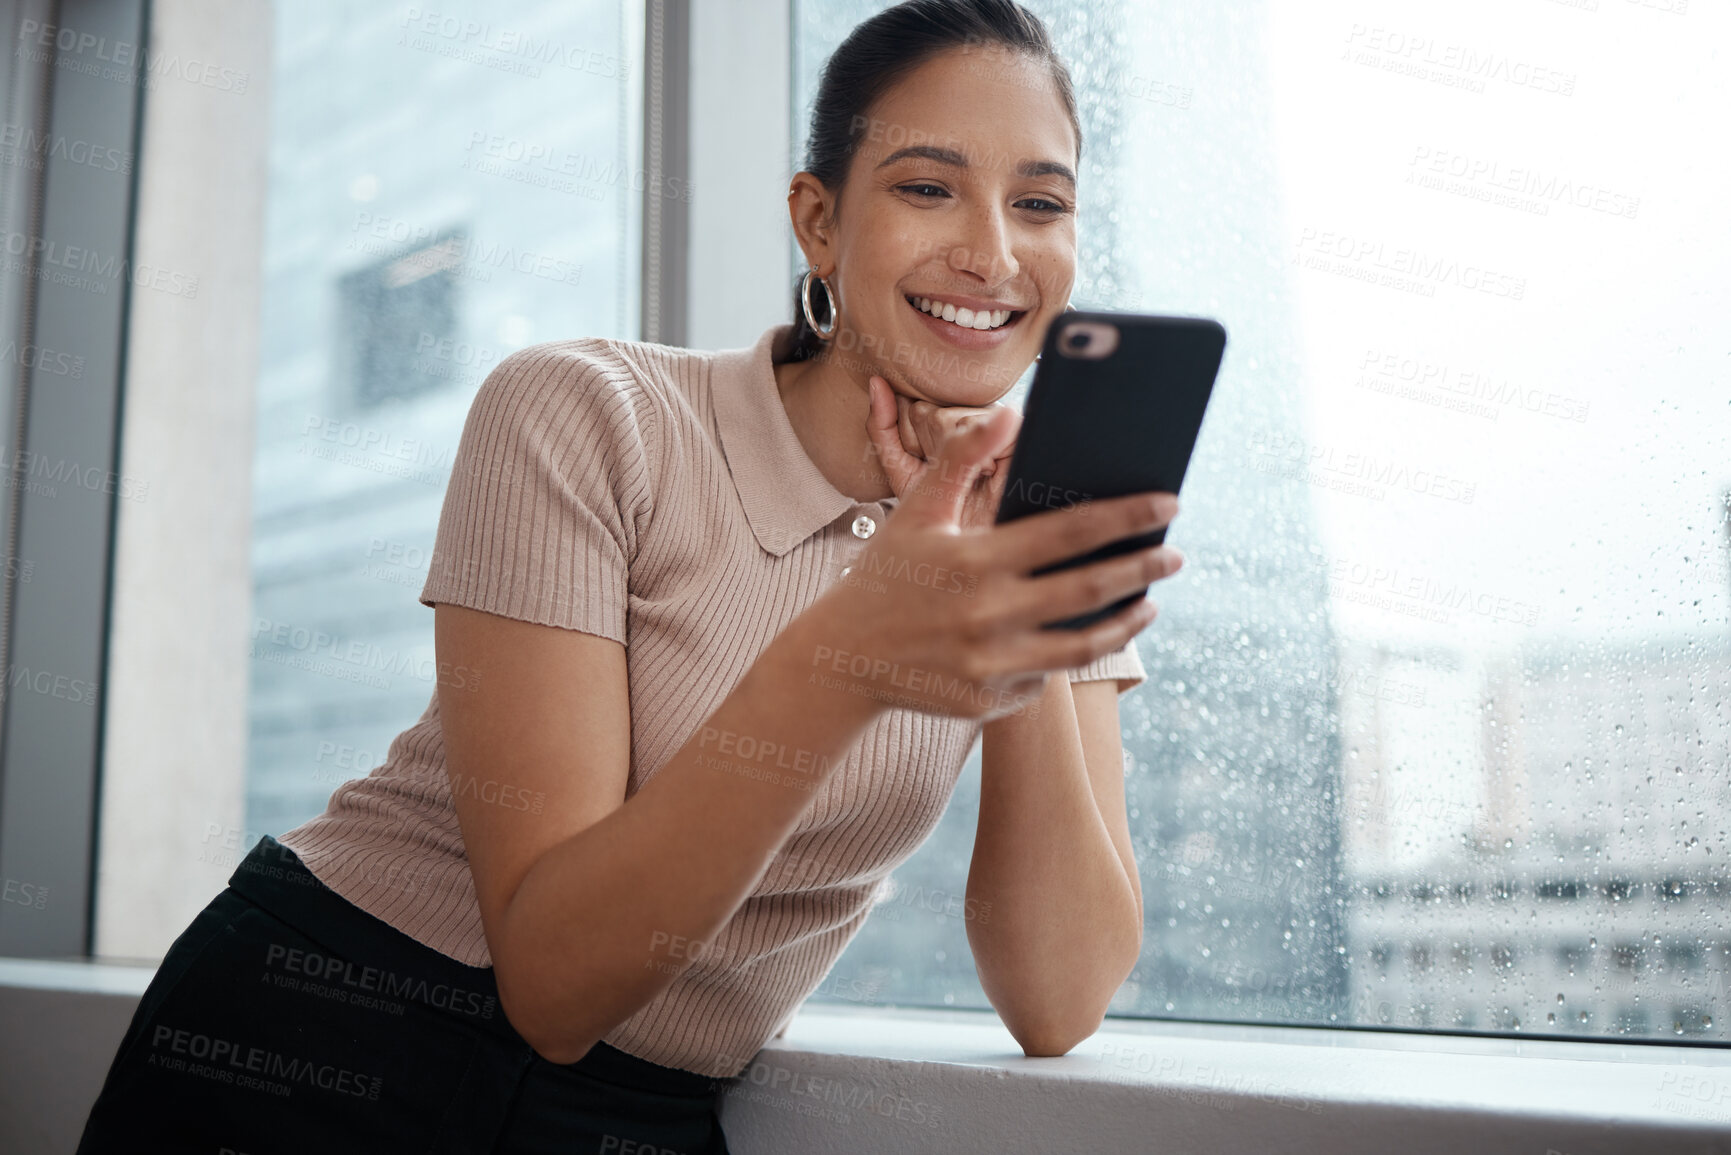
(51, 742)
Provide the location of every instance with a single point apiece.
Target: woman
(715, 633)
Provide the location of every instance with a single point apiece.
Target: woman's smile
(967, 322)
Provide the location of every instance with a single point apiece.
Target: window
(446, 186)
(1450, 654)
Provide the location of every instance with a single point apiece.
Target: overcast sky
(1607, 525)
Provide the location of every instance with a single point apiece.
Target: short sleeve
(1124, 664)
(549, 485)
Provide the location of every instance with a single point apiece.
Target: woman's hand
(942, 617)
(907, 433)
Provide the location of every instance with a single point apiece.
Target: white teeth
(966, 318)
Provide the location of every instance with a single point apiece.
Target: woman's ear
(811, 208)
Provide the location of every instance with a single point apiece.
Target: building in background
(1577, 880)
(438, 198)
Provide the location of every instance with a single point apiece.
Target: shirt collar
(786, 497)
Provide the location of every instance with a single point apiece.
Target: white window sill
(873, 1079)
(86, 975)
(846, 1079)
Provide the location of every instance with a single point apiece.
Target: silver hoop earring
(805, 304)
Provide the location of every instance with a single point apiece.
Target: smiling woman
(956, 137)
(687, 751)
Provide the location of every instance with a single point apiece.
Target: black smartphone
(1115, 408)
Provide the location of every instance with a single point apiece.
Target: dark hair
(883, 50)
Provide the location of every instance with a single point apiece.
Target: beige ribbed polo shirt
(661, 498)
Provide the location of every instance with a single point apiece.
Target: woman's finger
(937, 496)
(936, 424)
(1001, 463)
(883, 427)
(909, 429)
(994, 476)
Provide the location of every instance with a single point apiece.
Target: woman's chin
(951, 376)
(948, 393)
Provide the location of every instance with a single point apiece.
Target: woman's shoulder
(573, 399)
(637, 395)
(645, 372)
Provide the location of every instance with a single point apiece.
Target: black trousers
(286, 1020)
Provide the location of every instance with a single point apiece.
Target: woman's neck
(827, 407)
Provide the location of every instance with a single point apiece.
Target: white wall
(738, 278)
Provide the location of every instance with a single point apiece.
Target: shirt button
(864, 526)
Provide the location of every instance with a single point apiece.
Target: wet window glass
(1436, 734)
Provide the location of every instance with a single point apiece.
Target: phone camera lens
(1078, 340)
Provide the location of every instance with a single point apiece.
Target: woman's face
(961, 196)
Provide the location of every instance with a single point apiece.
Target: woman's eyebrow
(1046, 168)
(953, 157)
(927, 152)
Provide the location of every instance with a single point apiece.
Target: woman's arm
(1052, 863)
(1053, 860)
(592, 906)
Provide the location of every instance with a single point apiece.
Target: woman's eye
(1041, 204)
(923, 189)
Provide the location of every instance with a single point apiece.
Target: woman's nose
(986, 251)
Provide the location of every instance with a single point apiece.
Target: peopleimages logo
(85, 269)
(48, 684)
(42, 359)
(1461, 66)
(359, 656)
(459, 255)
(1421, 595)
(818, 1097)
(868, 677)
(24, 146)
(38, 474)
(1430, 165)
(121, 60)
(510, 49)
(1465, 389)
(377, 981)
(27, 894)
(230, 1062)
(1288, 455)
(1399, 267)
(497, 155)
